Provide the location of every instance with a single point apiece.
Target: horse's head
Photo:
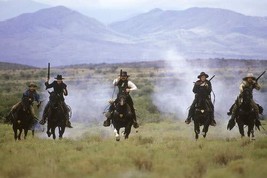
(247, 95)
(201, 103)
(122, 99)
(26, 102)
(53, 99)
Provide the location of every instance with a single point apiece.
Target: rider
(33, 96)
(248, 82)
(60, 88)
(202, 88)
(124, 85)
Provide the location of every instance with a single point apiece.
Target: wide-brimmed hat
(59, 77)
(124, 74)
(32, 85)
(203, 74)
(249, 75)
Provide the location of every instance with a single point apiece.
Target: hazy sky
(112, 10)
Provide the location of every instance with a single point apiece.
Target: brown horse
(56, 116)
(202, 116)
(122, 117)
(245, 115)
(22, 120)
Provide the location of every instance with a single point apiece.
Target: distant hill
(65, 37)
(200, 32)
(7, 65)
(13, 8)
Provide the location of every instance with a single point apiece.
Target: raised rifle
(211, 77)
(48, 72)
(260, 75)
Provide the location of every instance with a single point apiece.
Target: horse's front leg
(117, 133)
(127, 131)
(48, 132)
(241, 128)
(196, 128)
(15, 132)
(53, 132)
(20, 131)
(206, 127)
(251, 131)
(61, 131)
(25, 133)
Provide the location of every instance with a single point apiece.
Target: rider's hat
(203, 74)
(59, 77)
(124, 74)
(249, 75)
(32, 85)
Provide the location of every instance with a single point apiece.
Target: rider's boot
(213, 122)
(107, 121)
(190, 115)
(43, 120)
(229, 113)
(68, 123)
(135, 124)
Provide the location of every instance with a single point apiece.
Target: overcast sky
(110, 10)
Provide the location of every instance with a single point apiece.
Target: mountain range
(64, 36)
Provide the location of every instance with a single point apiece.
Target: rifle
(211, 78)
(48, 73)
(260, 76)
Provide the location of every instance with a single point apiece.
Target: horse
(56, 116)
(202, 116)
(22, 120)
(122, 117)
(245, 114)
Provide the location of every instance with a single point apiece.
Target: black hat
(203, 73)
(32, 85)
(59, 77)
(124, 74)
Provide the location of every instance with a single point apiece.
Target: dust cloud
(173, 92)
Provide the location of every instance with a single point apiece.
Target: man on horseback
(124, 86)
(60, 88)
(202, 88)
(32, 94)
(248, 82)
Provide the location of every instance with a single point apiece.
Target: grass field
(164, 145)
(165, 149)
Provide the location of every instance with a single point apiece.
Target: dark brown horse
(22, 120)
(202, 116)
(245, 114)
(56, 116)
(122, 117)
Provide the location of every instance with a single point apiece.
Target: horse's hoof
(48, 134)
(118, 137)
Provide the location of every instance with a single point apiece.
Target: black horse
(245, 114)
(22, 120)
(56, 116)
(202, 116)
(122, 117)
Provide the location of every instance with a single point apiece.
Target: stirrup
(106, 123)
(213, 123)
(187, 121)
(42, 122)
